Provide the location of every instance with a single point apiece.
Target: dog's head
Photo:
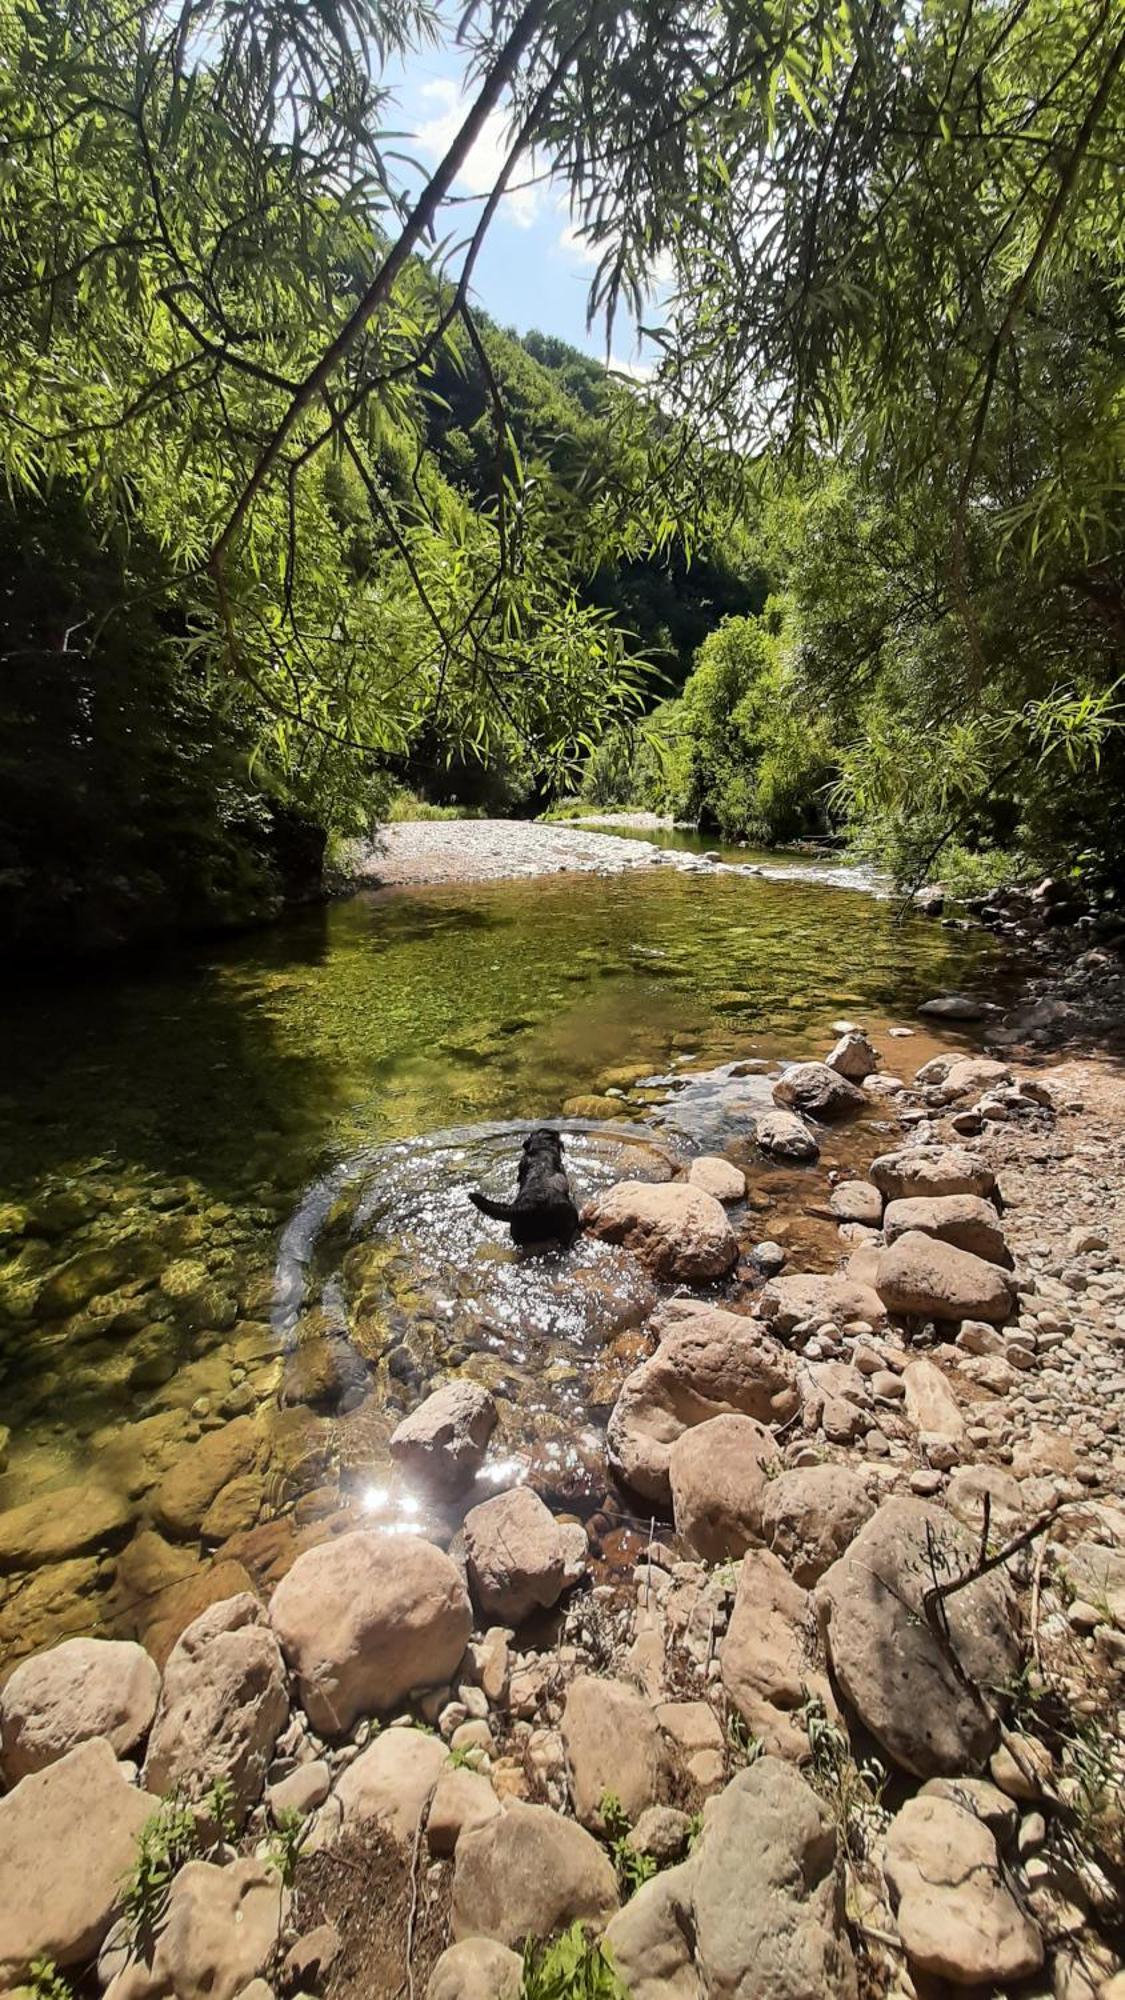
(543, 1141)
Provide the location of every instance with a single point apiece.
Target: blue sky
(532, 271)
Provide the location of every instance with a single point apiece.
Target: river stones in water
(819, 1091)
(677, 1231)
(853, 1056)
(63, 1522)
(365, 1618)
(195, 1481)
(709, 1364)
(784, 1136)
(444, 1441)
(79, 1689)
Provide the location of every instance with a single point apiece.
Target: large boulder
(768, 1657)
(389, 1782)
(520, 1559)
(719, 1472)
(614, 1745)
(810, 1515)
(918, 1274)
(528, 1873)
(916, 1686)
(709, 1365)
(965, 1220)
(758, 1910)
(222, 1708)
(813, 1297)
(68, 1837)
(219, 1933)
(957, 1918)
(676, 1230)
(443, 1441)
(476, 1969)
(60, 1524)
(79, 1689)
(365, 1618)
(784, 1136)
(931, 1171)
(818, 1091)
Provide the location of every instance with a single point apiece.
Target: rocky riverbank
(853, 1723)
(493, 850)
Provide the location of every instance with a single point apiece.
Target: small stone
(1022, 1768)
(718, 1177)
(661, 1831)
(307, 1963)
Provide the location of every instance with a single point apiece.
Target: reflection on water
(169, 1133)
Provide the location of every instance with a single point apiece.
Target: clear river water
(235, 1240)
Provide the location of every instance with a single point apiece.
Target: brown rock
(818, 1091)
(677, 1231)
(223, 1705)
(853, 1057)
(528, 1873)
(920, 1275)
(198, 1477)
(613, 1744)
(219, 1933)
(61, 1523)
(164, 1618)
(364, 1619)
(768, 1657)
(965, 1220)
(718, 1472)
(931, 1404)
(67, 1839)
(519, 1558)
(443, 1442)
(811, 1514)
(931, 1171)
(476, 1969)
(857, 1201)
(80, 1689)
(463, 1800)
(816, 1297)
(391, 1782)
(956, 1918)
(784, 1136)
(891, 1665)
(718, 1177)
(693, 1728)
(711, 1364)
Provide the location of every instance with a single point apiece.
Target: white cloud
(638, 371)
(485, 161)
(578, 249)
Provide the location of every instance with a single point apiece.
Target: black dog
(544, 1209)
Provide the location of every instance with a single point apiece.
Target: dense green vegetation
(291, 525)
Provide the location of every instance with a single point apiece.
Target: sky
(533, 270)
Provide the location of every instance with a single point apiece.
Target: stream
(233, 1201)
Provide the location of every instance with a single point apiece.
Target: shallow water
(211, 1207)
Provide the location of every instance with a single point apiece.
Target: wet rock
(364, 1619)
(931, 1172)
(677, 1231)
(79, 1689)
(857, 1201)
(463, 1800)
(784, 1136)
(718, 1472)
(324, 1374)
(61, 1523)
(613, 1744)
(199, 1475)
(476, 1969)
(222, 1708)
(767, 1658)
(965, 1220)
(528, 1873)
(768, 1896)
(708, 1365)
(219, 1933)
(917, 1694)
(818, 1091)
(953, 1007)
(920, 1275)
(818, 1297)
(853, 1057)
(164, 1618)
(67, 1839)
(717, 1177)
(520, 1559)
(391, 1782)
(810, 1515)
(956, 1917)
(443, 1442)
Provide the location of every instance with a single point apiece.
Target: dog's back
(544, 1209)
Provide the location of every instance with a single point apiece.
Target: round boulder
(810, 1515)
(223, 1705)
(476, 1969)
(528, 1873)
(919, 1274)
(79, 1689)
(784, 1136)
(520, 1559)
(717, 1177)
(719, 1473)
(366, 1617)
(818, 1091)
(677, 1231)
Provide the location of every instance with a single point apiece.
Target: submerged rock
(676, 1230)
(444, 1440)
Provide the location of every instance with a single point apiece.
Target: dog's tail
(500, 1211)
